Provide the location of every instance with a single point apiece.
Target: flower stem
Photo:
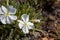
(4, 25)
(39, 30)
(7, 2)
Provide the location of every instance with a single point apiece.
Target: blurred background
(47, 11)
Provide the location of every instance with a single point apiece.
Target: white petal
(25, 30)
(25, 17)
(1, 11)
(30, 25)
(4, 9)
(3, 19)
(11, 10)
(8, 21)
(12, 17)
(20, 21)
(21, 25)
(10, 6)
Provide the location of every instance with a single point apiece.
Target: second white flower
(24, 24)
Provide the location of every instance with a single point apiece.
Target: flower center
(25, 24)
(6, 14)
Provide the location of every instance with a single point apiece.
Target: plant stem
(39, 30)
(4, 25)
(7, 2)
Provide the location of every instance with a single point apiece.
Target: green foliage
(12, 31)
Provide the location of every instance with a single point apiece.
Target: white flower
(25, 24)
(7, 14)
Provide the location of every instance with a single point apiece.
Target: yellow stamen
(25, 24)
(6, 14)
